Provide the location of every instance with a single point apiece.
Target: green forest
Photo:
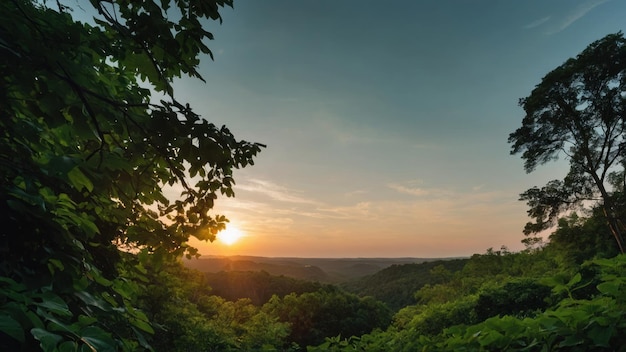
(92, 252)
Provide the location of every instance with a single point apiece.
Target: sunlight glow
(230, 235)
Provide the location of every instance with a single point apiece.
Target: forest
(95, 257)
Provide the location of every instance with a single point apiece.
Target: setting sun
(230, 235)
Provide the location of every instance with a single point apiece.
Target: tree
(577, 239)
(86, 149)
(327, 312)
(578, 110)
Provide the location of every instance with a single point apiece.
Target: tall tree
(86, 149)
(579, 111)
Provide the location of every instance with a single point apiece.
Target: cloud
(358, 211)
(577, 13)
(477, 188)
(476, 216)
(239, 205)
(537, 23)
(274, 191)
(441, 208)
(408, 190)
(357, 192)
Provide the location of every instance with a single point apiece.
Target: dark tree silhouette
(578, 110)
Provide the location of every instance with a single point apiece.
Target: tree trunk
(609, 212)
(614, 226)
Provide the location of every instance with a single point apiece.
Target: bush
(519, 298)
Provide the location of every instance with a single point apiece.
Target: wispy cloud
(357, 192)
(238, 205)
(537, 23)
(477, 188)
(281, 216)
(414, 191)
(358, 211)
(577, 13)
(274, 191)
(414, 188)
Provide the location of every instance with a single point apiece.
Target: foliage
(170, 299)
(594, 323)
(517, 298)
(83, 206)
(337, 343)
(327, 312)
(489, 269)
(578, 238)
(188, 316)
(397, 284)
(434, 318)
(259, 287)
(578, 110)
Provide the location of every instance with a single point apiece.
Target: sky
(386, 123)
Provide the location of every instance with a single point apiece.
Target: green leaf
(490, 337)
(141, 339)
(68, 346)
(34, 319)
(571, 340)
(11, 327)
(54, 303)
(576, 279)
(97, 339)
(140, 320)
(55, 263)
(79, 180)
(610, 288)
(143, 325)
(601, 335)
(90, 300)
(47, 340)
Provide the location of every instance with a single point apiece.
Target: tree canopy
(90, 135)
(578, 111)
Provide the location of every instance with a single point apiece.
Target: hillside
(396, 285)
(325, 270)
(258, 286)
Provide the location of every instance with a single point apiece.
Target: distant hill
(259, 286)
(324, 270)
(273, 267)
(396, 285)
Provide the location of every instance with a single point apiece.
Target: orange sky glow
(386, 126)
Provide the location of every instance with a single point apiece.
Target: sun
(230, 235)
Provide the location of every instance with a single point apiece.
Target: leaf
(609, 288)
(576, 279)
(57, 263)
(97, 339)
(90, 300)
(490, 337)
(68, 346)
(11, 327)
(141, 339)
(571, 340)
(140, 320)
(47, 340)
(34, 319)
(601, 335)
(142, 324)
(79, 180)
(54, 304)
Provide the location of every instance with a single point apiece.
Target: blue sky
(386, 123)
